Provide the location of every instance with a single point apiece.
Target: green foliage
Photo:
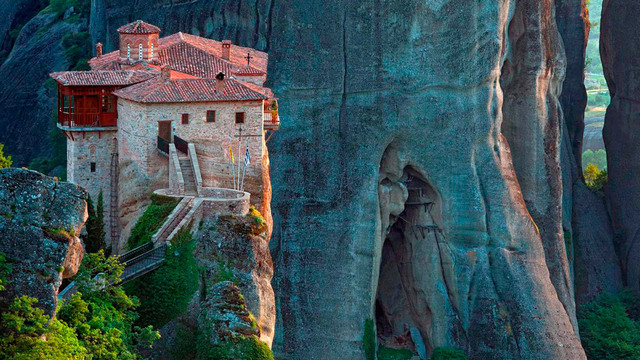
(5, 160)
(445, 353)
(61, 6)
(246, 348)
(595, 178)
(77, 48)
(385, 353)
(94, 241)
(369, 340)
(606, 329)
(224, 273)
(96, 324)
(25, 335)
(258, 223)
(166, 292)
(597, 158)
(4, 270)
(186, 343)
(154, 216)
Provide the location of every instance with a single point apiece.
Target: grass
(151, 220)
(385, 353)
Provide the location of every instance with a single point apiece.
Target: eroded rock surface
(40, 220)
(423, 78)
(622, 130)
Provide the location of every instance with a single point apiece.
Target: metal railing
(181, 144)
(143, 263)
(136, 252)
(163, 145)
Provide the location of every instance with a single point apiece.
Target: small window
(185, 118)
(151, 52)
(239, 118)
(140, 52)
(108, 102)
(93, 167)
(128, 51)
(211, 116)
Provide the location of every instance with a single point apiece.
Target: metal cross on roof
(248, 57)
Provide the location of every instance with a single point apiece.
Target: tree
(5, 160)
(595, 178)
(94, 240)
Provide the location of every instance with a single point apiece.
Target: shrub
(151, 220)
(369, 340)
(250, 348)
(595, 178)
(5, 160)
(607, 331)
(446, 353)
(165, 293)
(385, 353)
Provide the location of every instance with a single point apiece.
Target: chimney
(98, 49)
(226, 49)
(166, 74)
(220, 82)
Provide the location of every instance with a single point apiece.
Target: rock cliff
(622, 129)
(40, 220)
(421, 80)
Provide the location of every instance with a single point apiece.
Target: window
(93, 167)
(239, 118)
(140, 52)
(151, 52)
(185, 118)
(128, 51)
(211, 116)
(108, 103)
(68, 105)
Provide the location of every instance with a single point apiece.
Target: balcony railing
(271, 122)
(87, 120)
(163, 146)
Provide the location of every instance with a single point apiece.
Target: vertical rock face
(420, 82)
(586, 224)
(622, 129)
(531, 81)
(40, 220)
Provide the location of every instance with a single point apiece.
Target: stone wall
(83, 149)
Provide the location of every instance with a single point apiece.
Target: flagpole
(233, 168)
(239, 144)
(244, 171)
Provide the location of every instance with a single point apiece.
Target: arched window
(140, 52)
(128, 51)
(151, 52)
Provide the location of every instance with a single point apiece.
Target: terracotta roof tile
(103, 78)
(247, 70)
(192, 60)
(139, 27)
(190, 90)
(188, 45)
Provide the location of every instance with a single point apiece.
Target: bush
(369, 340)
(249, 348)
(385, 353)
(165, 293)
(151, 220)
(595, 178)
(5, 160)
(445, 353)
(606, 329)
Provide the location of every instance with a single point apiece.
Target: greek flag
(247, 157)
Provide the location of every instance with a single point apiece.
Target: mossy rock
(246, 348)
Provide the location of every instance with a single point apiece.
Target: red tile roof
(175, 51)
(190, 90)
(139, 27)
(192, 60)
(103, 78)
(247, 70)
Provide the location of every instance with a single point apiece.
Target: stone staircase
(174, 222)
(190, 188)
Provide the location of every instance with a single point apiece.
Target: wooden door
(164, 129)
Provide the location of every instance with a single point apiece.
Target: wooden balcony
(271, 123)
